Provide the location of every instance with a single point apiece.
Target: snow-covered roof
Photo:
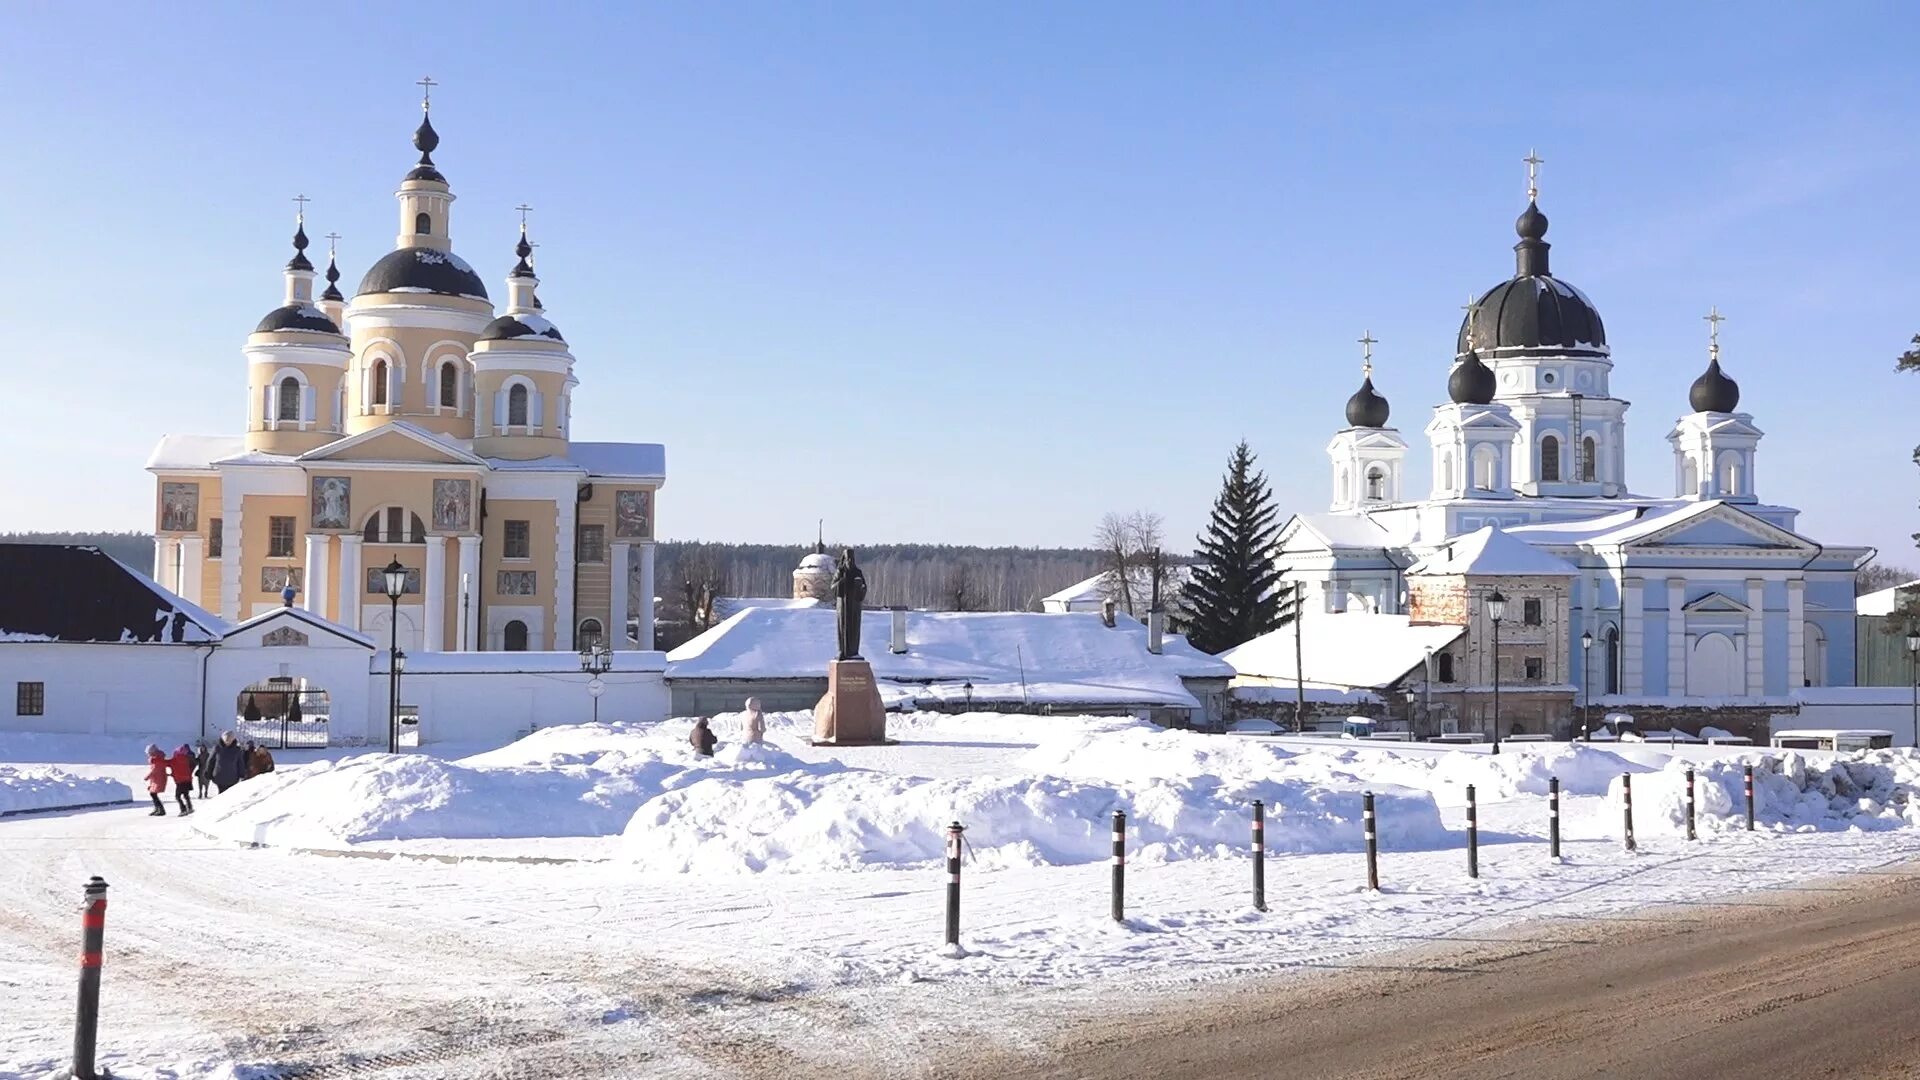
(1093, 590)
(69, 593)
(1358, 650)
(301, 615)
(648, 460)
(1344, 530)
(725, 607)
(458, 449)
(503, 663)
(194, 451)
(1884, 602)
(1579, 531)
(1069, 657)
(1491, 550)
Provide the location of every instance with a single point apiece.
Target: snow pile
(1868, 789)
(1186, 796)
(1523, 769)
(43, 787)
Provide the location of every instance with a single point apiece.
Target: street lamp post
(1586, 686)
(1496, 610)
(967, 688)
(596, 659)
(1426, 696)
(395, 579)
(1913, 655)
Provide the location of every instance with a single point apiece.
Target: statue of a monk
(849, 592)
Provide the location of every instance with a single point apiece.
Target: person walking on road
(156, 779)
(702, 738)
(259, 761)
(754, 731)
(228, 764)
(203, 768)
(181, 765)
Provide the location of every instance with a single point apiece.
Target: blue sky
(979, 273)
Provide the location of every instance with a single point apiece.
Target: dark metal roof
(1366, 408)
(297, 317)
(518, 326)
(333, 280)
(1713, 391)
(299, 260)
(1534, 309)
(1472, 382)
(66, 593)
(422, 269)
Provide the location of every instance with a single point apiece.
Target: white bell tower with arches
(1715, 445)
(1369, 458)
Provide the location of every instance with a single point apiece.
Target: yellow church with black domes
(414, 423)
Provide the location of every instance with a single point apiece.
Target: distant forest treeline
(940, 576)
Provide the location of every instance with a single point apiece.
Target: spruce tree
(1231, 592)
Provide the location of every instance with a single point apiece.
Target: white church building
(1703, 593)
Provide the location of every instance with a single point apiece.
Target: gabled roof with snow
(67, 593)
(1093, 590)
(1339, 530)
(1491, 551)
(1070, 656)
(177, 452)
(726, 607)
(1351, 650)
(301, 615)
(434, 441)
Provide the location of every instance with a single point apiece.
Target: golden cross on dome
(524, 211)
(1714, 319)
(1367, 342)
(333, 244)
(1471, 307)
(1534, 161)
(426, 92)
(300, 215)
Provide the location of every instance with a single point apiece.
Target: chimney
(1106, 612)
(899, 643)
(1156, 631)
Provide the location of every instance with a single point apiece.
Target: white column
(193, 557)
(468, 550)
(646, 595)
(1633, 630)
(1756, 636)
(319, 549)
(433, 596)
(566, 519)
(619, 558)
(1796, 635)
(350, 581)
(1676, 638)
(232, 541)
(161, 547)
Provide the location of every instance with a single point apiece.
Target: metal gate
(281, 713)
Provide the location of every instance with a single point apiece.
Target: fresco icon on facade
(516, 583)
(332, 502)
(633, 514)
(276, 579)
(377, 581)
(179, 507)
(453, 505)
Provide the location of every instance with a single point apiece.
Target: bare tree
(1125, 542)
(1878, 575)
(960, 593)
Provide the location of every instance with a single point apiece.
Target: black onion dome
(1534, 309)
(1366, 408)
(423, 270)
(425, 139)
(1713, 391)
(333, 281)
(509, 327)
(299, 260)
(523, 268)
(296, 317)
(1472, 382)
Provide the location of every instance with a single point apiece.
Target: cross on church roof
(301, 214)
(333, 244)
(1534, 161)
(1367, 342)
(524, 211)
(1714, 319)
(1470, 307)
(426, 85)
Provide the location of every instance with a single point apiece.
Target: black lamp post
(395, 577)
(1496, 610)
(596, 659)
(1913, 655)
(1586, 686)
(1426, 696)
(967, 688)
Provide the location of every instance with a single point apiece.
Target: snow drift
(43, 787)
(1868, 789)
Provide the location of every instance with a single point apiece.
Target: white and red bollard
(1119, 865)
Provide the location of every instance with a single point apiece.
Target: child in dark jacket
(181, 765)
(156, 779)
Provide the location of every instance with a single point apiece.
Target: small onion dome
(820, 561)
(425, 139)
(304, 317)
(1366, 408)
(423, 270)
(523, 268)
(509, 327)
(333, 281)
(1713, 391)
(299, 260)
(1472, 382)
(1533, 309)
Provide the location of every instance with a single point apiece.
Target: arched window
(289, 399)
(590, 632)
(517, 406)
(1814, 648)
(423, 223)
(449, 385)
(1589, 459)
(1446, 470)
(1613, 660)
(514, 636)
(1730, 478)
(1689, 478)
(1549, 458)
(1376, 483)
(394, 525)
(1486, 468)
(379, 382)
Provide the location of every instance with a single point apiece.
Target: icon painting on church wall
(377, 581)
(332, 498)
(277, 579)
(179, 507)
(516, 583)
(453, 505)
(633, 514)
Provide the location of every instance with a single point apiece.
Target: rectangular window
(214, 537)
(1530, 613)
(30, 699)
(1535, 668)
(1446, 667)
(519, 542)
(280, 538)
(516, 583)
(593, 543)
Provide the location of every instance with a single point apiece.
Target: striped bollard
(954, 832)
(93, 934)
(1553, 817)
(1690, 832)
(1473, 835)
(1373, 842)
(1749, 797)
(1259, 856)
(1119, 865)
(1626, 792)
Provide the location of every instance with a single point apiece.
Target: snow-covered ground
(779, 910)
(27, 788)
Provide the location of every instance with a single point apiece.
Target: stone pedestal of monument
(850, 714)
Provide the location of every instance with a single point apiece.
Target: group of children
(219, 766)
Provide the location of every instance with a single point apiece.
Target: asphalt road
(1818, 982)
